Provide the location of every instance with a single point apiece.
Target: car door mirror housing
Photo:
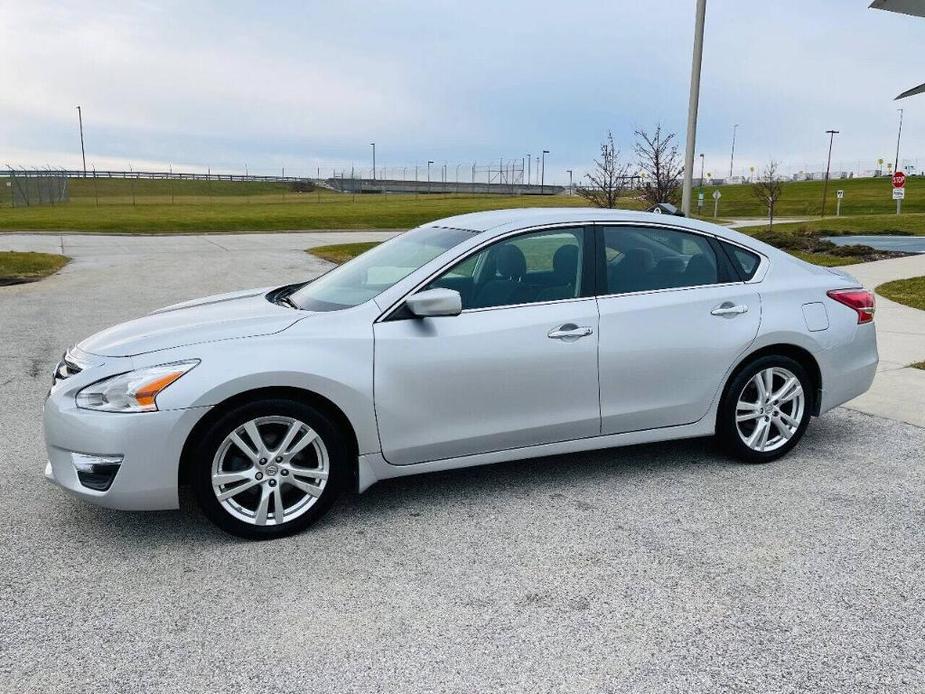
(435, 302)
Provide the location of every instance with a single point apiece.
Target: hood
(221, 317)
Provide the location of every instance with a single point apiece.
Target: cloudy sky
(301, 84)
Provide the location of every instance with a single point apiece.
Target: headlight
(135, 391)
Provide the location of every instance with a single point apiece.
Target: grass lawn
(341, 252)
(866, 225)
(18, 267)
(147, 206)
(910, 292)
(863, 196)
(195, 206)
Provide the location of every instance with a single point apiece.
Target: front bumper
(150, 443)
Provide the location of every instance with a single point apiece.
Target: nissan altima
(474, 339)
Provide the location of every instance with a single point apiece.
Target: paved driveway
(654, 568)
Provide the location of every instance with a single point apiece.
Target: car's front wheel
(765, 409)
(269, 468)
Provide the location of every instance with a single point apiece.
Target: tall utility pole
(825, 187)
(569, 182)
(374, 160)
(692, 106)
(543, 174)
(732, 157)
(529, 166)
(428, 175)
(898, 136)
(83, 156)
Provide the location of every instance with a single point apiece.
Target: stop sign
(899, 179)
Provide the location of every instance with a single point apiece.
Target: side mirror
(435, 302)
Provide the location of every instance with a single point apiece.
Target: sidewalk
(898, 392)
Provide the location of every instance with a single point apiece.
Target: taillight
(860, 300)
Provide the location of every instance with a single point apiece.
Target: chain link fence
(35, 188)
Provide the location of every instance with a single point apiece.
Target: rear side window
(745, 262)
(649, 258)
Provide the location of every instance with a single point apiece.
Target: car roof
(500, 221)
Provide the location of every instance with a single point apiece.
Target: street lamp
(428, 175)
(83, 156)
(529, 166)
(732, 157)
(895, 166)
(825, 186)
(373, 144)
(692, 106)
(569, 182)
(543, 173)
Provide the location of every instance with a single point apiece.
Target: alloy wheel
(769, 409)
(270, 470)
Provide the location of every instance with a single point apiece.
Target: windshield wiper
(286, 300)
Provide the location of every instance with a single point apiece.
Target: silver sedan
(471, 340)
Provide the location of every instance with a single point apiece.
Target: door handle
(729, 309)
(569, 331)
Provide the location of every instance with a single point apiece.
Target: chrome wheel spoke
(785, 430)
(291, 433)
(263, 506)
(302, 443)
(244, 448)
(309, 489)
(312, 473)
(234, 491)
(279, 510)
(256, 439)
(792, 395)
(231, 477)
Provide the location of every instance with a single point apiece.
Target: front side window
(530, 268)
(648, 258)
(371, 273)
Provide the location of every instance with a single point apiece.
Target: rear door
(673, 318)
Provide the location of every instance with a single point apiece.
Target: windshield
(371, 273)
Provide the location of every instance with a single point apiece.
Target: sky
(200, 85)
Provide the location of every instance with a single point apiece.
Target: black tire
(727, 434)
(206, 449)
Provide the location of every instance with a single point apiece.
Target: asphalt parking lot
(652, 568)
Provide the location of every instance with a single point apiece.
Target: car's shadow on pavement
(567, 477)
(573, 483)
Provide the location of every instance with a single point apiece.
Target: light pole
(898, 135)
(428, 175)
(543, 173)
(373, 144)
(83, 156)
(529, 166)
(825, 186)
(732, 157)
(457, 177)
(569, 182)
(692, 106)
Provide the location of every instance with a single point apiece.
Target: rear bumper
(848, 369)
(149, 443)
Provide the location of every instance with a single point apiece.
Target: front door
(518, 367)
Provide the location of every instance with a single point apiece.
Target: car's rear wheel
(765, 410)
(269, 468)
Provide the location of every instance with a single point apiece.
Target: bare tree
(768, 188)
(661, 164)
(607, 182)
